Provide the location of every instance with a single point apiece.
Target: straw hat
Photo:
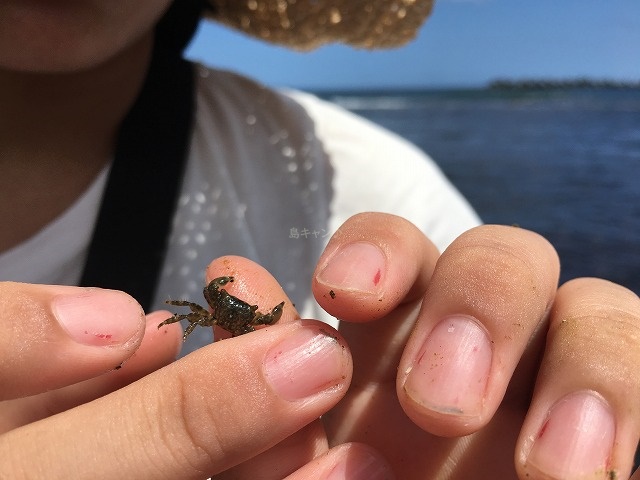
(306, 24)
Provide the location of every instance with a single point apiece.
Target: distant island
(541, 84)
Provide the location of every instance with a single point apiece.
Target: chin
(57, 36)
(51, 63)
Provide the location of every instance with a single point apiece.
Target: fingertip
(312, 359)
(99, 317)
(357, 461)
(253, 284)
(158, 349)
(444, 389)
(576, 437)
(374, 262)
(60, 335)
(584, 409)
(352, 281)
(349, 461)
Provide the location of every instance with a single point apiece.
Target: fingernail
(308, 362)
(357, 266)
(363, 467)
(99, 317)
(452, 369)
(576, 438)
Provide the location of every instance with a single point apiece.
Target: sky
(465, 43)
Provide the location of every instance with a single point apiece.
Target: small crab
(228, 312)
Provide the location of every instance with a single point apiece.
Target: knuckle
(199, 424)
(203, 427)
(502, 273)
(185, 435)
(595, 328)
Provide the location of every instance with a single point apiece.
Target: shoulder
(236, 97)
(369, 168)
(375, 169)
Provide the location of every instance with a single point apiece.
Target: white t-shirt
(270, 176)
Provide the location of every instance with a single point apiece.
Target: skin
(370, 409)
(60, 63)
(570, 351)
(506, 279)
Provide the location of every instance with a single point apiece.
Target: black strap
(130, 237)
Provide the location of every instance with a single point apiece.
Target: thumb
(203, 414)
(211, 410)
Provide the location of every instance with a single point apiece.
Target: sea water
(564, 163)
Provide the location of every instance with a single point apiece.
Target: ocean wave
(360, 102)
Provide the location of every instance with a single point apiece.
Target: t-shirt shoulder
(375, 169)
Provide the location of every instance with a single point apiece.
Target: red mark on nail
(99, 335)
(376, 278)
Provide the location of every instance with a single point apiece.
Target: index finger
(46, 329)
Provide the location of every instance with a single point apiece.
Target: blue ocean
(562, 162)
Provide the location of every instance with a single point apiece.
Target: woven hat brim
(307, 24)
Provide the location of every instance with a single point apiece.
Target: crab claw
(272, 317)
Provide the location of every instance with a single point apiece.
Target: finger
(584, 421)
(284, 458)
(249, 286)
(54, 336)
(489, 293)
(373, 263)
(158, 348)
(376, 267)
(352, 461)
(370, 413)
(211, 410)
(304, 445)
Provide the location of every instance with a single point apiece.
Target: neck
(57, 131)
(72, 110)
